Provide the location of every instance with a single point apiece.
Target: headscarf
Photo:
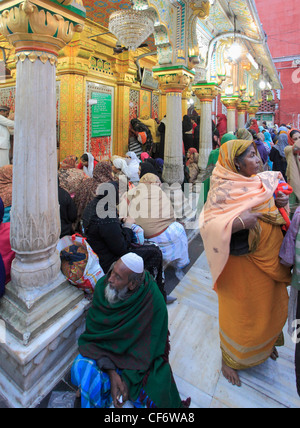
(87, 192)
(244, 134)
(281, 144)
(89, 170)
(227, 137)
(133, 156)
(150, 178)
(254, 126)
(133, 166)
(192, 151)
(70, 178)
(147, 168)
(121, 165)
(283, 130)
(222, 124)
(69, 162)
(290, 140)
(268, 139)
(160, 163)
(230, 195)
(145, 156)
(6, 177)
(261, 128)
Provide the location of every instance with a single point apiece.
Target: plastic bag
(93, 271)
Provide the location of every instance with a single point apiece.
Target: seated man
(124, 350)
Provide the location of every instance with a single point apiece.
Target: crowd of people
(250, 226)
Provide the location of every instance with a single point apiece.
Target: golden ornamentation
(69, 2)
(35, 55)
(202, 10)
(173, 80)
(231, 102)
(206, 92)
(27, 27)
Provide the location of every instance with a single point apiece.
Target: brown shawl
(6, 177)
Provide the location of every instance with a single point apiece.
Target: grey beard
(113, 296)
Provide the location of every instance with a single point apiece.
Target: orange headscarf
(230, 195)
(291, 141)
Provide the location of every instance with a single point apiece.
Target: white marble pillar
(172, 82)
(241, 119)
(173, 165)
(231, 119)
(35, 221)
(41, 312)
(206, 92)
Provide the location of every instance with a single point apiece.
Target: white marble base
(29, 373)
(196, 357)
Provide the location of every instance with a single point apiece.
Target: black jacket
(68, 212)
(107, 237)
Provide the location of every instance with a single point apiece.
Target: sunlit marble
(196, 356)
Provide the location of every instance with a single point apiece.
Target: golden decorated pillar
(39, 306)
(173, 81)
(252, 110)
(231, 104)
(72, 69)
(206, 92)
(242, 111)
(125, 69)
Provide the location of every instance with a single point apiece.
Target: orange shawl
(230, 195)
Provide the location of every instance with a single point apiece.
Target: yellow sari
(252, 289)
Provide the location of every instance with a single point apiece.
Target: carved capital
(31, 28)
(231, 102)
(173, 79)
(201, 8)
(206, 91)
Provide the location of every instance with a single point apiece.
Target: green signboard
(101, 115)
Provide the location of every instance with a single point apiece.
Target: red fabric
(222, 124)
(254, 126)
(287, 190)
(5, 249)
(80, 166)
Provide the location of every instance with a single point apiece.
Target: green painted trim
(174, 67)
(71, 8)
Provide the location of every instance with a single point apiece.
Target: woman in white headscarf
(133, 166)
(87, 163)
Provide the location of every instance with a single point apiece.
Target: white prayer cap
(134, 262)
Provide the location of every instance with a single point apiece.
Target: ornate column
(126, 72)
(39, 306)
(173, 81)
(72, 69)
(206, 92)
(231, 103)
(252, 110)
(242, 110)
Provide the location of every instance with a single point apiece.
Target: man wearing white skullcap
(124, 352)
(134, 262)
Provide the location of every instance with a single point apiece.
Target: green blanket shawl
(134, 335)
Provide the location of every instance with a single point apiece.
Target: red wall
(281, 22)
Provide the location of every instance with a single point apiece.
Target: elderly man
(124, 350)
(6, 129)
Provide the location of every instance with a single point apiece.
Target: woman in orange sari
(241, 230)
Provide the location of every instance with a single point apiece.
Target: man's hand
(118, 389)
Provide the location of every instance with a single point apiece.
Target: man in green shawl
(124, 350)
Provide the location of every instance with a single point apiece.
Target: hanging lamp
(131, 27)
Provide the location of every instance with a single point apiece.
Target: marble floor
(196, 356)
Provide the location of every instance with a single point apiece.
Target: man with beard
(124, 352)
